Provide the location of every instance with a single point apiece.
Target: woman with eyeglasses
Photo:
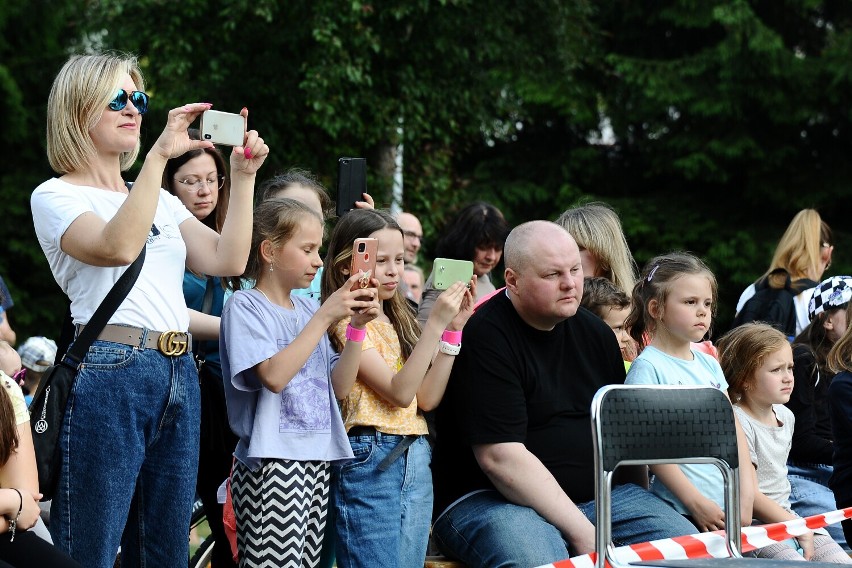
(199, 179)
(129, 440)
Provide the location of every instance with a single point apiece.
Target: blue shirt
(303, 421)
(653, 367)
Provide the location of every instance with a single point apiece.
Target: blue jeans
(486, 530)
(129, 445)
(383, 516)
(810, 495)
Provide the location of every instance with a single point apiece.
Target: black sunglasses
(138, 98)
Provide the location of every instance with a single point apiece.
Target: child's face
(10, 361)
(614, 318)
(687, 313)
(773, 380)
(389, 261)
(835, 325)
(297, 261)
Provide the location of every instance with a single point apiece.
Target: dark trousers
(30, 550)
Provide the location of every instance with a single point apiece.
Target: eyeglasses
(138, 98)
(193, 184)
(20, 376)
(412, 235)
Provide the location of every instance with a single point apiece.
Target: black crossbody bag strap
(99, 319)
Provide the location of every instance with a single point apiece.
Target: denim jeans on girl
(129, 446)
(486, 530)
(383, 517)
(810, 495)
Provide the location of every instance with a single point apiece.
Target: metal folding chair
(653, 424)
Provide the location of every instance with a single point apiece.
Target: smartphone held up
(364, 260)
(225, 128)
(448, 271)
(351, 183)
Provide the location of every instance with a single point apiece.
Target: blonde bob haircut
(79, 96)
(596, 228)
(798, 251)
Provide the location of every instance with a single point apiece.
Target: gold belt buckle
(172, 343)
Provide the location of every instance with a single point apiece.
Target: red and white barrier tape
(712, 544)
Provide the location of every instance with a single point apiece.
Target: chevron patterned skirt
(281, 512)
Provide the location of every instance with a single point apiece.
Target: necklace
(286, 320)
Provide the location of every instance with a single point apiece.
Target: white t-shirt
(769, 447)
(156, 301)
(800, 302)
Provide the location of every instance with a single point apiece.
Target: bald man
(412, 235)
(513, 465)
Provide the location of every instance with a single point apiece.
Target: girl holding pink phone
(383, 497)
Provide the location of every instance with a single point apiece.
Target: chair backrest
(657, 424)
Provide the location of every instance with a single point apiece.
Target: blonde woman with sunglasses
(129, 440)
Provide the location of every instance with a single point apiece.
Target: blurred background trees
(706, 123)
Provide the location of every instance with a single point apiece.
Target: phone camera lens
(208, 136)
(362, 247)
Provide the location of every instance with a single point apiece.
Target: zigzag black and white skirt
(281, 511)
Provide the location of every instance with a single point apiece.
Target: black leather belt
(395, 453)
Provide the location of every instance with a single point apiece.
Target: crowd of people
(339, 411)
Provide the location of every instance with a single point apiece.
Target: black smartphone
(351, 183)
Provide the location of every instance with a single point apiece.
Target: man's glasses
(412, 235)
(138, 98)
(193, 184)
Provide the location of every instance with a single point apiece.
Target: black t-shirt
(514, 383)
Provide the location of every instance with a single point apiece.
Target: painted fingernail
(247, 153)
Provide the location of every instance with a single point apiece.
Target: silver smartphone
(224, 128)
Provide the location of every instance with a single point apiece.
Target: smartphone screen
(351, 183)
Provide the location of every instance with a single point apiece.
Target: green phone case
(447, 271)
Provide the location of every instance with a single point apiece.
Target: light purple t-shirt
(303, 421)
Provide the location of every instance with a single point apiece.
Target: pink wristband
(451, 337)
(355, 334)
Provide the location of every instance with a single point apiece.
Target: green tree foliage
(707, 124)
(33, 46)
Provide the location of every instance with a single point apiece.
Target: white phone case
(223, 128)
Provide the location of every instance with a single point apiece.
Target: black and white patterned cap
(834, 292)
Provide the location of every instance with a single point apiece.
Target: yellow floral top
(365, 407)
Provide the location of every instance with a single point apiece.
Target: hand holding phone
(351, 183)
(364, 259)
(448, 271)
(224, 128)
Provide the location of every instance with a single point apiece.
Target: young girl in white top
(383, 498)
(282, 382)
(674, 302)
(758, 361)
